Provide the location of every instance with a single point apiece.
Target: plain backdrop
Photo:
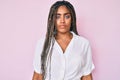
(23, 22)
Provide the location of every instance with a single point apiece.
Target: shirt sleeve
(88, 63)
(37, 57)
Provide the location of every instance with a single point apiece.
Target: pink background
(23, 22)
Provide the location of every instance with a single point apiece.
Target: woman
(62, 54)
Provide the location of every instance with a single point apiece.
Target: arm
(36, 76)
(87, 77)
(89, 66)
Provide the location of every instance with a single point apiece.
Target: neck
(63, 36)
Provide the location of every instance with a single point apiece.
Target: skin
(63, 23)
(63, 36)
(37, 76)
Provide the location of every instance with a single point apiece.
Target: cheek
(68, 22)
(57, 22)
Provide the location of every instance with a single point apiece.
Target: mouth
(62, 26)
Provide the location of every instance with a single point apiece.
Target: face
(63, 20)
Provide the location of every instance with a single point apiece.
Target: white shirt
(74, 63)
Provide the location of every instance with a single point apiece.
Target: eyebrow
(63, 14)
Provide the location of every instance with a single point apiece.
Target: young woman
(62, 54)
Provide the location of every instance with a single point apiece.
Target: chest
(66, 64)
(73, 54)
(63, 45)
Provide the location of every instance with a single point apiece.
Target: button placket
(63, 67)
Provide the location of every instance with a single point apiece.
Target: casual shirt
(74, 63)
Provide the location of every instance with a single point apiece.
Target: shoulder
(81, 39)
(40, 43)
(41, 40)
(83, 44)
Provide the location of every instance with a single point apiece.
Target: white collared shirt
(74, 63)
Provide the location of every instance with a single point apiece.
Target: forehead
(63, 9)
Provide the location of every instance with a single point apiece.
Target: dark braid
(51, 32)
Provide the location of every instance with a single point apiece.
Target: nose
(62, 19)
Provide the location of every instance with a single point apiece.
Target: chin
(63, 31)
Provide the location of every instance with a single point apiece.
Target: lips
(62, 26)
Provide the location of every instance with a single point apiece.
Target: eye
(67, 16)
(57, 16)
